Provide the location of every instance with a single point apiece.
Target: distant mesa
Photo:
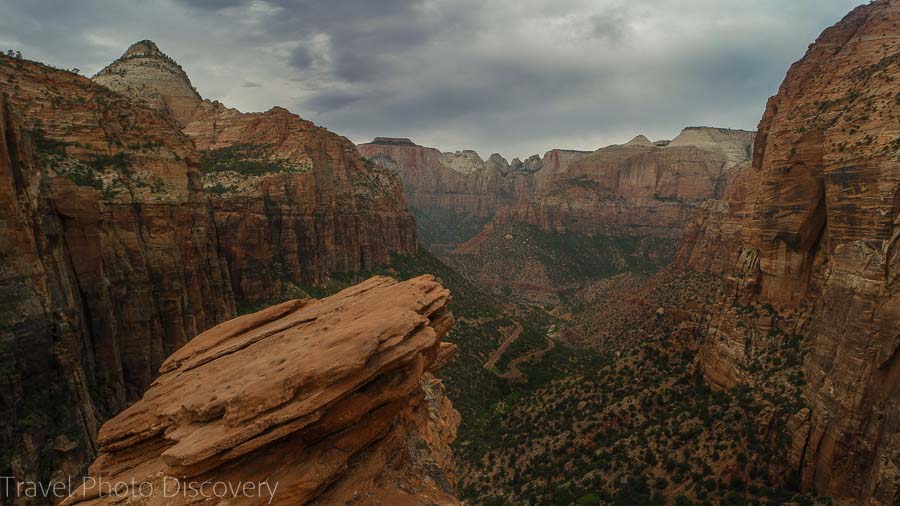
(393, 141)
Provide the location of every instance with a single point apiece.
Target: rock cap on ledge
(296, 394)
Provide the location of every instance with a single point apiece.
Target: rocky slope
(812, 232)
(120, 241)
(325, 401)
(294, 201)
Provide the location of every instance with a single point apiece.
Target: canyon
(192, 292)
(540, 227)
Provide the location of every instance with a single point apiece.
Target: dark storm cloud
(514, 76)
(611, 24)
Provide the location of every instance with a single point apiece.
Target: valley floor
(621, 418)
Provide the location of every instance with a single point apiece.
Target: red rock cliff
(459, 182)
(813, 229)
(122, 241)
(637, 188)
(292, 201)
(110, 260)
(325, 401)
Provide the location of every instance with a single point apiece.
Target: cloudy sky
(510, 76)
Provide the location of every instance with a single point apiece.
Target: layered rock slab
(330, 399)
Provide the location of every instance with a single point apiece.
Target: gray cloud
(514, 76)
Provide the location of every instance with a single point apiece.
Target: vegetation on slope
(627, 420)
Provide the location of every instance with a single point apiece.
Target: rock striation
(326, 401)
(812, 230)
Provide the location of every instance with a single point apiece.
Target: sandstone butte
(812, 228)
(117, 246)
(327, 401)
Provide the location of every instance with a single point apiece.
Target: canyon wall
(122, 240)
(110, 261)
(292, 202)
(637, 188)
(812, 231)
(460, 182)
(326, 401)
(620, 208)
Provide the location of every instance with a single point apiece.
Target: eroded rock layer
(327, 401)
(812, 230)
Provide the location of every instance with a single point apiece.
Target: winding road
(513, 373)
(496, 354)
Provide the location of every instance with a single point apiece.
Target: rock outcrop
(812, 230)
(325, 401)
(292, 201)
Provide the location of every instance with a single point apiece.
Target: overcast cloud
(510, 76)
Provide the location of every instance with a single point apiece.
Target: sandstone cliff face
(110, 261)
(327, 401)
(812, 229)
(460, 182)
(292, 201)
(620, 208)
(636, 188)
(453, 195)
